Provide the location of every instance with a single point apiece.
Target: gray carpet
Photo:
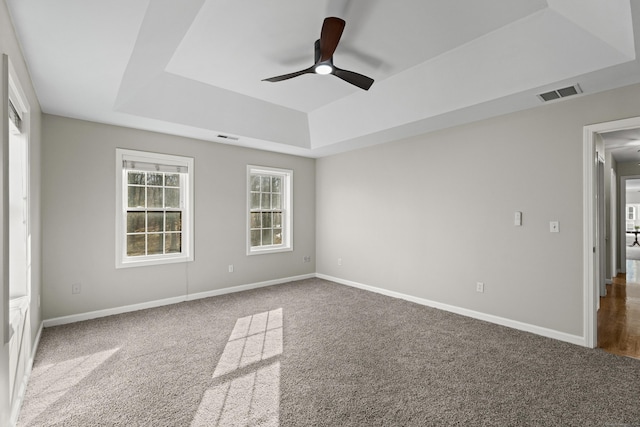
(314, 353)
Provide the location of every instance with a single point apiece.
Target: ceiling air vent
(231, 138)
(560, 93)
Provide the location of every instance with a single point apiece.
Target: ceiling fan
(332, 28)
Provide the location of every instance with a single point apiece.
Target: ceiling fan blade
(316, 52)
(289, 76)
(332, 28)
(363, 82)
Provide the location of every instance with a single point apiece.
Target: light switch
(554, 227)
(517, 219)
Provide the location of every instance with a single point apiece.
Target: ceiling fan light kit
(332, 28)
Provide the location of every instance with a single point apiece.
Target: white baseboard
(538, 330)
(17, 405)
(241, 288)
(168, 301)
(549, 333)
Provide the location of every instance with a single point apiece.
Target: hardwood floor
(619, 314)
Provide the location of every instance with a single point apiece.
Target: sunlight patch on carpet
(51, 382)
(241, 397)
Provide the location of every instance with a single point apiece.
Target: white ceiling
(195, 67)
(624, 145)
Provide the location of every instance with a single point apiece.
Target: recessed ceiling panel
(380, 39)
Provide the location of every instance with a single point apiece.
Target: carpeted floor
(314, 353)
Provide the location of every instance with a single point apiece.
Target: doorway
(594, 246)
(619, 143)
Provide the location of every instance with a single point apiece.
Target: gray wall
(9, 45)
(432, 215)
(79, 219)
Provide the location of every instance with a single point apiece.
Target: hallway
(619, 314)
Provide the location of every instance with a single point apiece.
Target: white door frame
(590, 248)
(613, 223)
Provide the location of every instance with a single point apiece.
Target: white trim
(590, 290)
(287, 211)
(240, 288)
(622, 237)
(123, 261)
(17, 403)
(514, 324)
(63, 320)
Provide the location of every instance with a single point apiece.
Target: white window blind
(154, 167)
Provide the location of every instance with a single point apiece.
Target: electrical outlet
(339, 261)
(75, 288)
(230, 268)
(480, 287)
(306, 258)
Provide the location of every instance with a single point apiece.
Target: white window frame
(631, 212)
(124, 261)
(287, 210)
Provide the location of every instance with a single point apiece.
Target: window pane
(174, 221)
(172, 197)
(276, 184)
(155, 221)
(154, 178)
(266, 237)
(266, 201)
(172, 180)
(255, 201)
(135, 196)
(135, 245)
(277, 220)
(154, 197)
(268, 196)
(255, 237)
(173, 243)
(255, 183)
(154, 244)
(266, 184)
(266, 219)
(135, 178)
(255, 220)
(275, 201)
(135, 222)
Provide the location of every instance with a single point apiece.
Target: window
(154, 203)
(269, 213)
(631, 212)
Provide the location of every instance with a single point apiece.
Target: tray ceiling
(195, 67)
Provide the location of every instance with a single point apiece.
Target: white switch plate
(230, 268)
(517, 219)
(554, 226)
(479, 287)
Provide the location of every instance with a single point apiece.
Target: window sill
(155, 261)
(264, 251)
